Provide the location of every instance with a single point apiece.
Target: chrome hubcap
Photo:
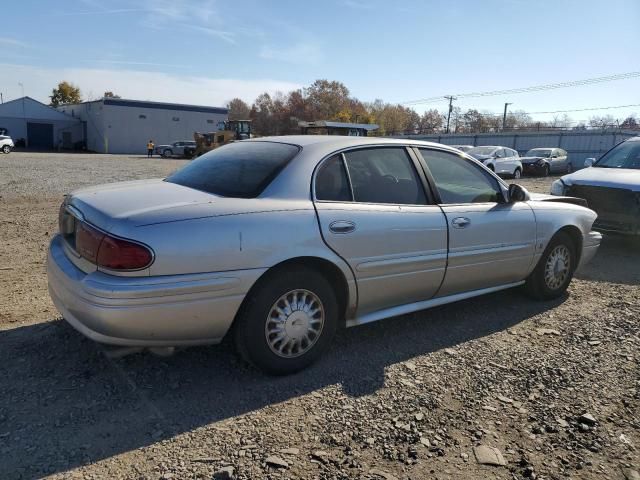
(557, 267)
(294, 323)
(517, 174)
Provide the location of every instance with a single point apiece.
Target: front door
(491, 243)
(374, 213)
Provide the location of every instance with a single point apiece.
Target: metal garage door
(40, 135)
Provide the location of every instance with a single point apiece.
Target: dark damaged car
(611, 187)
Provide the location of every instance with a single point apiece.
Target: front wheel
(569, 167)
(287, 322)
(545, 171)
(166, 153)
(517, 173)
(6, 149)
(554, 270)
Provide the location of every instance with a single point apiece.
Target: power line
(533, 88)
(493, 114)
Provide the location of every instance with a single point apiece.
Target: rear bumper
(173, 310)
(590, 245)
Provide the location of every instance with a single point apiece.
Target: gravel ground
(546, 390)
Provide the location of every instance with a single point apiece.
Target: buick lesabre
(280, 241)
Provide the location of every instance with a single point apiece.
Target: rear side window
(332, 182)
(242, 169)
(384, 175)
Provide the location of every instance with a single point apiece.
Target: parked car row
(507, 162)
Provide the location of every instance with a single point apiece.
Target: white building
(116, 125)
(40, 126)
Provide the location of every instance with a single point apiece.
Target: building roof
(123, 102)
(325, 124)
(31, 108)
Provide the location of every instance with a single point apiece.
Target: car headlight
(558, 188)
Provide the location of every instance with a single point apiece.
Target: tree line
(279, 113)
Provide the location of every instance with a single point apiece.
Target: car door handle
(342, 226)
(460, 222)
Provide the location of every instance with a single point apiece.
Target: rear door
(375, 213)
(491, 243)
(558, 160)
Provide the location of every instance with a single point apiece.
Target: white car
(611, 187)
(502, 160)
(6, 143)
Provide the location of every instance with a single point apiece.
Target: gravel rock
(487, 455)
(276, 462)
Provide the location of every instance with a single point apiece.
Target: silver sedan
(280, 241)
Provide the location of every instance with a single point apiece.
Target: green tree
(65, 94)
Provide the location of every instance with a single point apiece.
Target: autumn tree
(238, 109)
(110, 94)
(431, 121)
(66, 93)
(325, 99)
(631, 122)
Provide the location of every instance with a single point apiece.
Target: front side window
(241, 170)
(332, 182)
(384, 175)
(459, 180)
(625, 155)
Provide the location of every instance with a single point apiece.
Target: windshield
(242, 169)
(481, 150)
(539, 152)
(625, 155)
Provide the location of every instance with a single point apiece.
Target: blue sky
(208, 51)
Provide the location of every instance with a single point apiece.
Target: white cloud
(12, 42)
(299, 54)
(138, 85)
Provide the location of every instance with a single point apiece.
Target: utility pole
(451, 98)
(504, 116)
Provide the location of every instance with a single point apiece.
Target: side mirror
(517, 193)
(588, 162)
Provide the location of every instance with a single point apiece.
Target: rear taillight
(110, 252)
(118, 254)
(88, 240)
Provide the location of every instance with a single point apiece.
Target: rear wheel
(6, 149)
(554, 271)
(287, 321)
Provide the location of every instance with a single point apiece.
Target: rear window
(242, 169)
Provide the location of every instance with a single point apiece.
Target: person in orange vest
(150, 147)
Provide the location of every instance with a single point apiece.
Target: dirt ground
(554, 386)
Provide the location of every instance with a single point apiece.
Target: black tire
(166, 153)
(537, 285)
(6, 149)
(250, 335)
(545, 171)
(517, 174)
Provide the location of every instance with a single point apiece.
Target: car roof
(338, 141)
